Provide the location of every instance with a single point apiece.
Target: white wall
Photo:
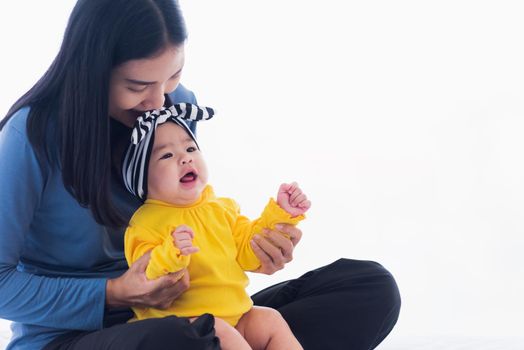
(403, 121)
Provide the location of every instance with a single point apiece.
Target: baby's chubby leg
(265, 329)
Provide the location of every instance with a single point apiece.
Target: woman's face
(139, 85)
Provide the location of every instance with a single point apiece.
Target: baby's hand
(291, 199)
(183, 239)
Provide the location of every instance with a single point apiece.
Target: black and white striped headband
(136, 160)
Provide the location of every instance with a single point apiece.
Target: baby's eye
(167, 155)
(191, 149)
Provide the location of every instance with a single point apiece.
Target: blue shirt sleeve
(72, 303)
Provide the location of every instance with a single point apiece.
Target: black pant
(349, 304)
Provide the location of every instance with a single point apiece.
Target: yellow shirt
(217, 278)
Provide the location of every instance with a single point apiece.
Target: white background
(402, 120)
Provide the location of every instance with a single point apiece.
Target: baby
(184, 225)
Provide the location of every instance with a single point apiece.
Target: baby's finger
(184, 228)
(184, 244)
(183, 236)
(297, 192)
(189, 250)
(284, 188)
(298, 199)
(181, 230)
(292, 187)
(305, 204)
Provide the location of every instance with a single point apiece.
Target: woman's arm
(27, 298)
(62, 303)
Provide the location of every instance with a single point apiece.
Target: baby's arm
(244, 229)
(166, 257)
(291, 198)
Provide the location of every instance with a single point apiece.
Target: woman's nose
(154, 100)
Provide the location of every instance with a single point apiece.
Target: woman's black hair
(70, 103)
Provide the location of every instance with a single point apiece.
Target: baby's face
(177, 171)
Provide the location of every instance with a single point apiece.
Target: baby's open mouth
(190, 176)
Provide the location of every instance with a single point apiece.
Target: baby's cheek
(168, 183)
(155, 179)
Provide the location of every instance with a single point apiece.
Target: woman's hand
(274, 250)
(134, 289)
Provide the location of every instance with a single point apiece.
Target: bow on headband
(136, 160)
(177, 113)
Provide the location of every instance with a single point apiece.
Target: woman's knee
(381, 282)
(389, 289)
(372, 287)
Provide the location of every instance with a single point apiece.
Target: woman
(64, 278)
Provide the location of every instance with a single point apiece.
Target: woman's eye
(137, 90)
(166, 156)
(191, 149)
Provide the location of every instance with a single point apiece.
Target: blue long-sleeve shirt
(55, 258)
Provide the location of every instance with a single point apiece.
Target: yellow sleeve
(244, 229)
(165, 256)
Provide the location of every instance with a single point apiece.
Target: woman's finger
(266, 264)
(171, 287)
(293, 232)
(283, 243)
(141, 263)
(275, 253)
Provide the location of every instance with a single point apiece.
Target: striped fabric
(136, 160)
